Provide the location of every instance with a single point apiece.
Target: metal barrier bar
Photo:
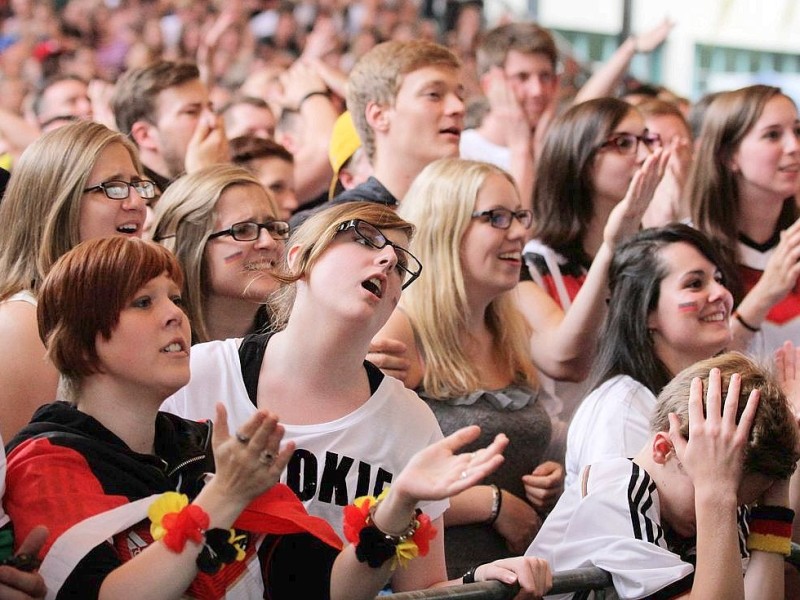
(576, 580)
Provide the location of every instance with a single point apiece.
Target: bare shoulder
(27, 378)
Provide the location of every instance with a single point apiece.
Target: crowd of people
(319, 299)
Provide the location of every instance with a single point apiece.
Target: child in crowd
(638, 519)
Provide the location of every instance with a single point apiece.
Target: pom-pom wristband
(771, 529)
(174, 521)
(374, 546)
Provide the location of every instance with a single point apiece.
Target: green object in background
(6, 543)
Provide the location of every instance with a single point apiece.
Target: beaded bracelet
(174, 521)
(771, 529)
(374, 546)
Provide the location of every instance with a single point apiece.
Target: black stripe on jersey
(640, 500)
(743, 520)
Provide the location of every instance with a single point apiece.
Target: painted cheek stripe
(687, 306)
(233, 256)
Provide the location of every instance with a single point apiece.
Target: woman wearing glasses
(589, 159)
(79, 182)
(354, 428)
(459, 338)
(222, 225)
(98, 467)
(742, 191)
(595, 155)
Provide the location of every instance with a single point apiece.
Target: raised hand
(783, 267)
(626, 217)
(787, 365)
(437, 472)
(714, 453)
(666, 205)
(100, 93)
(321, 40)
(299, 81)
(505, 105)
(251, 461)
(544, 486)
(653, 38)
(208, 144)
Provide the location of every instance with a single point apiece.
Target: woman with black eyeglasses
(223, 226)
(590, 157)
(79, 182)
(598, 172)
(459, 338)
(354, 428)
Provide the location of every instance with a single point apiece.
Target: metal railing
(576, 580)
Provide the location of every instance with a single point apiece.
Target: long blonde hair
(40, 214)
(440, 203)
(183, 221)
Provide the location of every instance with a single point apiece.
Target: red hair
(85, 292)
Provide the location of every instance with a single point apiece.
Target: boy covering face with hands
(670, 523)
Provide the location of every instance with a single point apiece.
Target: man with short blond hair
(406, 100)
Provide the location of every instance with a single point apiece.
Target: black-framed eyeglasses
(500, 218)
(248, 231)
(628, 143)
(117, 189)
(407, 264)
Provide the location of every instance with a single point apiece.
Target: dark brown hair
(562, 196)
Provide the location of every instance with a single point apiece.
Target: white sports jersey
(334, 462)
(611, 519)
(612, 422)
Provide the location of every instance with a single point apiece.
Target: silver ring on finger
(266, 458)
(242, 437)
(463, 474)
